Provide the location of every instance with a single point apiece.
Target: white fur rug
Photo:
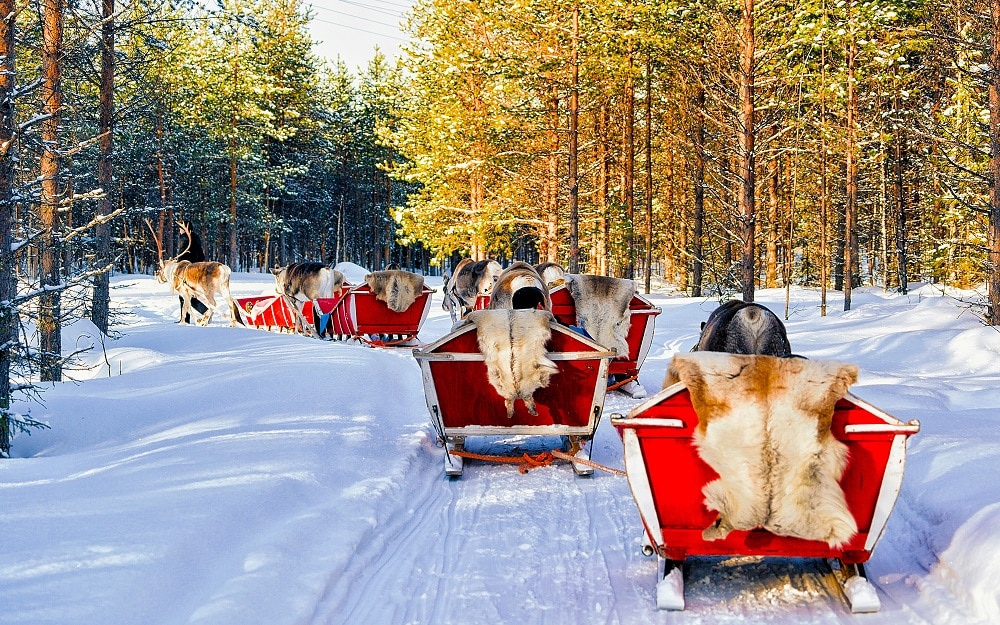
(513, 342)
(764, 427)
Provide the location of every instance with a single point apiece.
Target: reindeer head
(165, 268)
(279, 279)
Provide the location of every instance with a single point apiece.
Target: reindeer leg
(227, 298)
(185, 308)
(300, 319)
(210, 303)
(313, 332)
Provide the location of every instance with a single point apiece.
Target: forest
(715, 147)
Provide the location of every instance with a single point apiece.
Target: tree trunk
(698, 262)
(851, 205)
(773, 227)
(901, 259)
(476, 200)
(574, 115)
(234, 237)
(550, 245)
(747, 208)
(649, 172)
(824, 254)
(105, 167)
(234, 247)
(993, 239)
(628, 171)
(603, 181)
(49, 304)
(8, 152)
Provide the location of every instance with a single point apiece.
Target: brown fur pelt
(397, 288)
(602, 308)
(764, 427)
(513, 344)
(520, 287)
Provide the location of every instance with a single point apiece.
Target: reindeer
(306, 281)
(469, 280)
(200, 280)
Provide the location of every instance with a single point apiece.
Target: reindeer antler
(156, 238)
(190, 239)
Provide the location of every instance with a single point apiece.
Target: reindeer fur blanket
(602, 308)
(764, 427)
(513, 343)
(398, 289)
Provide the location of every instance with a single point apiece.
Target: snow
(233, 476)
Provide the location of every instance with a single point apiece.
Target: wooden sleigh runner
(668, 477)
(356, 314)
(463, 403)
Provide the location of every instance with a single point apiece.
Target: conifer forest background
(715, 147)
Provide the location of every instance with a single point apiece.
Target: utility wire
(398, 5)
(363, 30)
(357, 17)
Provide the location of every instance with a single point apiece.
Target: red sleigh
(624, 367)
(264, 311)
(666, 476)
(462, 402)
(356, 313)
(360, 315)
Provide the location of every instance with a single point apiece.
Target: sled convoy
(388, 309)
(748, 449)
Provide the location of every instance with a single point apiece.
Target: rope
(386, 343)
(621, 383)
(528, 462)
(589, 463)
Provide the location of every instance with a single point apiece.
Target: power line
(357, 17)
(363, 30)
(405, 7)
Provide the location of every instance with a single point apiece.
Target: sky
(233, 476)
(352, 29)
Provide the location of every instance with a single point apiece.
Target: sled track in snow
(501, 547)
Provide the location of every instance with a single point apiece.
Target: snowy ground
(233, 476)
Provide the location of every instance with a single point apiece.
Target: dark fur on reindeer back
(738, 327)
(529, 293)
(297, 273)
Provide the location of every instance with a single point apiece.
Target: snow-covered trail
(548, 547)
(500, 546)
(228, 476)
